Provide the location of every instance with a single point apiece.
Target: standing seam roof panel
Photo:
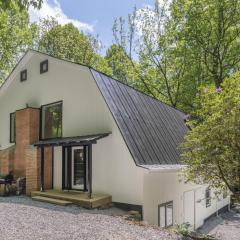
(151, 129)
(118, 117)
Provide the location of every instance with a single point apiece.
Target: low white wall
(114, 170)
(161, 187)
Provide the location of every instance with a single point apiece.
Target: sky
(93, 16)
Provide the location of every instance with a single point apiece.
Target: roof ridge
(67, 60)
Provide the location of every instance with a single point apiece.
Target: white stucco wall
(114, 173)
(84, 112)
(82, 102)
(161, 187)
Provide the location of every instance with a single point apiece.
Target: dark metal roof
(151, 129)
(71, 141)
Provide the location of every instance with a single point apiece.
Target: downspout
(42, 169)
(90, 171)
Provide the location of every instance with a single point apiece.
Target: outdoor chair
(12, 187)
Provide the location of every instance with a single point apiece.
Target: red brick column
(48, 168)
(27, 132)
(33, 169)
(6, 160)
(24, 158)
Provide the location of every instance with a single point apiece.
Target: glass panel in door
(78, 168)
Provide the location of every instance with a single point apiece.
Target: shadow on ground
(226, 226)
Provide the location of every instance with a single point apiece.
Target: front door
(78, 168)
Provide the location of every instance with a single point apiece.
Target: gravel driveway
(224, 227)
(24, 219)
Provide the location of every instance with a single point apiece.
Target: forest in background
(168, 51)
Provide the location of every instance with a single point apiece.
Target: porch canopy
(87, 140)
(72, 141)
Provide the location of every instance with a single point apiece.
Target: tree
(120, 65)
(67, 42)
(15, 36)
(181, 45)
(211, 149)
(23, 4)
(157, 54)
(211, 30)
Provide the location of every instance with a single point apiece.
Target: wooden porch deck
(74, 197)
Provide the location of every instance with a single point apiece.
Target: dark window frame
(165, 207)
(208, 197)
(22, 74)
(10, 138)
(41, 120)
(41, 66)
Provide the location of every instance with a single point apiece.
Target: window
(165, 214)
(23, 75)
(208, 197)
(44, 66)
(12, 127)
(51, 120)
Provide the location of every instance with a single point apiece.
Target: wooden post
(42, 169)
(90, 171)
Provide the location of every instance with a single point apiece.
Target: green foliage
(180, 45)
(22, 4)
(210, 28)
(211, 150)
(158, 57)
(66, 42)
(120, 64)
(183, 229)
(167, 51)
(15, 36)
(101, 64)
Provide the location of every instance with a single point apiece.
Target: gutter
(163, 168)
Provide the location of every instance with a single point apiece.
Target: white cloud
(54, 10)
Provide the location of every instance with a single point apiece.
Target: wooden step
(51, 200)
(78, 198)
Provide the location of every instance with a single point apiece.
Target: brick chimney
(27, 133)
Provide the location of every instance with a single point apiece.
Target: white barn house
(96, 134)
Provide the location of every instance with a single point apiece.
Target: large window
(12, 127)
(165, 214)
(51, 121)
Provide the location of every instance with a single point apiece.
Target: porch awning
(71, 141)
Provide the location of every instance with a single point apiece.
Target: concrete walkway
(224, 227)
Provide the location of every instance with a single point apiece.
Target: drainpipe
(90, 171)
(42, 169)
(195, 212)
